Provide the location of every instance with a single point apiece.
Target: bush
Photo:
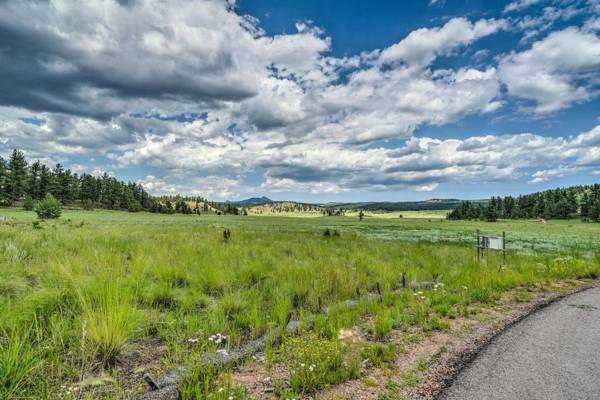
(48, 208)
(88, 205)
(28, 203)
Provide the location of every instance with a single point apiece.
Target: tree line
(24, 183)
(563, 203)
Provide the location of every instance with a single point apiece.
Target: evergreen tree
(585, 206)
(28, 203)
(17, 176)
(4, 194)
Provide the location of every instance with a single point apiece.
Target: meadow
(92, 301)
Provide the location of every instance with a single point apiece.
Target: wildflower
(217, 338)
(465, 288)
(222, 352)
(220, 390)
(193, 340)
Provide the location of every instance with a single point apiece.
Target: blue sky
(311, 101)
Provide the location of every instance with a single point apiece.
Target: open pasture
(92, 301)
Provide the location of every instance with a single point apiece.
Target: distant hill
(432, 204)
(251, 201)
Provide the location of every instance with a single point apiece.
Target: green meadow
(91, 301)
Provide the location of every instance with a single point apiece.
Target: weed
(18, 362)
(383, 325)
(378, 353)
(314, 362)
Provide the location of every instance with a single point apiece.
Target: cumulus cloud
(420, 164)
(194, 89)
(556, 72)
(209, 187)
(422, 46)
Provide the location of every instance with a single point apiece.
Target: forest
(582, 201)
(24, 183)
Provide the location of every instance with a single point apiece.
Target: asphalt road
(550, 355)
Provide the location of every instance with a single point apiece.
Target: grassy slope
(92, 287)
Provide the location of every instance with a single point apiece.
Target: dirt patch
(144, 357)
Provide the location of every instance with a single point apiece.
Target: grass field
(91, 301)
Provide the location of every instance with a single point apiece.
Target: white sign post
(497, 243)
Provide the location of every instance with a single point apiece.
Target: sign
(491, 242)
(497, 243)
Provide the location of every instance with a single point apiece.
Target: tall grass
(18, 362)
(109, 320)
(129, 281)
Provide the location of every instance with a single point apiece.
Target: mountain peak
(251, 201)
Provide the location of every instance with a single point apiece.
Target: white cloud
(520, 5)
(211, 187)
(194, 89)
(558, 172)
(556, 72)
(423, 45)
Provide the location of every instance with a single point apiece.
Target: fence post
(504, 246)
(478, 248)
(404, 280)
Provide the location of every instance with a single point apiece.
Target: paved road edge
(443, 373)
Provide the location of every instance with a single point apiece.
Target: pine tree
(585, 206)
(4, 195)
(17, 177)
(33, 184)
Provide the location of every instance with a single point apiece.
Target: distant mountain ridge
(252, 201)
(424, 205)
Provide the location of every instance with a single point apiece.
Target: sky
(312, 101)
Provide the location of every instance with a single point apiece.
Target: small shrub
(28, 203)
(48, 208)
(331, 232)
(88, 205)
(134, 206)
